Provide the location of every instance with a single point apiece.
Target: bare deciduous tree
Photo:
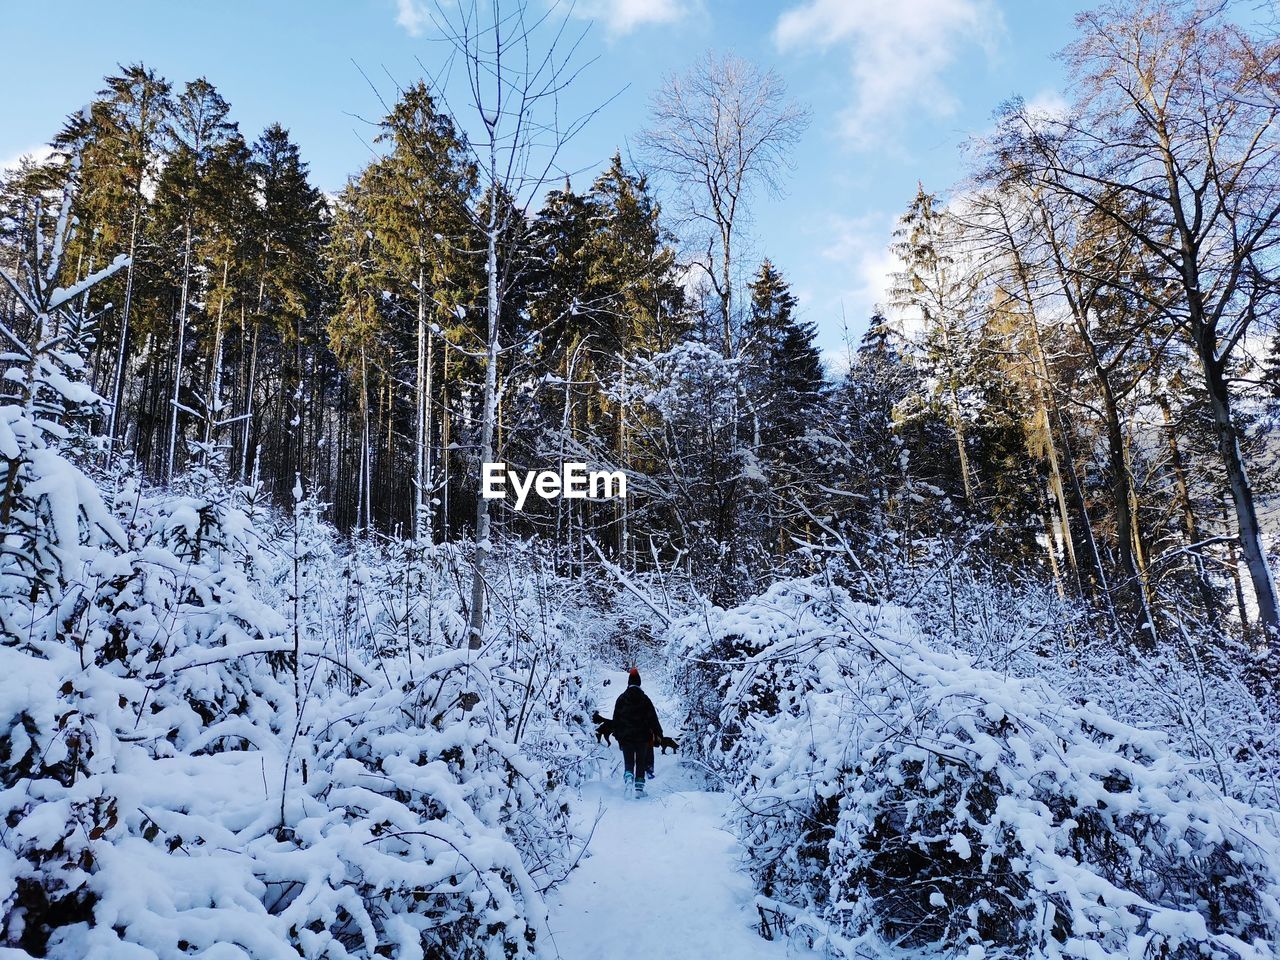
(720, 131)
(518, 64)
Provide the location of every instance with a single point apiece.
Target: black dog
(604, 731)
(604, 727)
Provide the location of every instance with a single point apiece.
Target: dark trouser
(637, 758)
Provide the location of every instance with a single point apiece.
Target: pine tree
(867, 459)
(355, 336)
(225, 247)
(559, 284)
(782, 384)
(631, 271)
(632, 256)
(48, 508)
(418, 196)
(200, 134)
(122, 136)
(932, 286)
(602, 289)
(784, 375)
(287, 314)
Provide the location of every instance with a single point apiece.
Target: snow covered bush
(1195, 688)
(47, 506)
(399, 828)
(894, 793)
(184, 769)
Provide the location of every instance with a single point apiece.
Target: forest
(996, 586)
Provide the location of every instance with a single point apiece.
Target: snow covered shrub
(200, 773)
(894, 793)
(409, 600)
(401, 831)
(1194, 688)
(420, 826)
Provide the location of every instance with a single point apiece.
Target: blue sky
(894, 86)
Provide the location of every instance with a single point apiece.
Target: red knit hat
(633, 677)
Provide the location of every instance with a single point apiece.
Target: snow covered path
(662, 880)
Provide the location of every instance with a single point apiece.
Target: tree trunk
(620, 505)
(1203, 326)
(246, 458)
(1122, 501)
(215, 368)
(365, 507)
(117, 387)
(1046, 397)
(1190, 524)
(563, 506)
(475, 627)
(170, 460)
(428, 414)
(419, 440)
(1101, 585)
(1233, 555)
(446, 438)
(726, 294)
(1046, 517)
(957, 423)
(1122, 493)
(1251, 543)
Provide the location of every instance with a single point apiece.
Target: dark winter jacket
(634, 719)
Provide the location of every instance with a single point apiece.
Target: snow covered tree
(519, 136)
(283, 368)
(877, 773)
(201, 136)
(417, 200)
(47, 506)
(783, 365)
(1164, 143)
(935, 288)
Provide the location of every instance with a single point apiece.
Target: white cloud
(860, 247)
(38, 154)
(619, 17)
(836, 362)
(1045, 106)
(898, 50)
(412, 16)
(1048, 104)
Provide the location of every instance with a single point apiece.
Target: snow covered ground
(662, 879)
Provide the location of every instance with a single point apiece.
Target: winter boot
(628, 779)
(640, 788)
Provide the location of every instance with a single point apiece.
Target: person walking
(636, 727)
